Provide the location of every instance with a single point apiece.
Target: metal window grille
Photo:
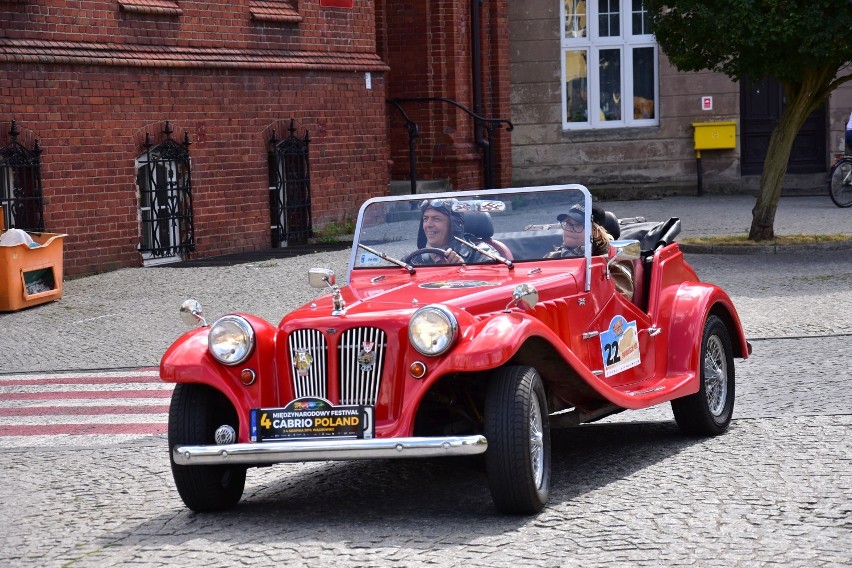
(20, 185)
(290, 188)
(165, 198)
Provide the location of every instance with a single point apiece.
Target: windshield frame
(462, 195)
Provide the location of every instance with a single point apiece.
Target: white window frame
(592, 43)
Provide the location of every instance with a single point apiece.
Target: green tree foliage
(805, 45)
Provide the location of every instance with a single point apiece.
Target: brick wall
(236, 24)
(90, 80)
(428, 48)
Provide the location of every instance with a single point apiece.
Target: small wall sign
(706, 103)
(337, 3)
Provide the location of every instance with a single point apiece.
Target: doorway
(761, 104)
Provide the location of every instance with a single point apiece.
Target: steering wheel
(428, 250)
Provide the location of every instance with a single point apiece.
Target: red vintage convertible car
(472, 323)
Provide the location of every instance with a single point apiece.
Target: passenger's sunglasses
(576, 227)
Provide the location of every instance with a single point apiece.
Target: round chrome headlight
(433, 329)
(231, 340)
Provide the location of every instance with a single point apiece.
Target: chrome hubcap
(536, 441)
(715, 376)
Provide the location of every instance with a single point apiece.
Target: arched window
(163, 176)
(20, 184)
(290, 188)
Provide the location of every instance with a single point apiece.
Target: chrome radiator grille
(361, 353)
(309, 363)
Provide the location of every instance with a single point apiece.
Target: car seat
(478, 228)
(652, 236)
(611, 224)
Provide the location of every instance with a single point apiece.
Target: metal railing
(480, 124)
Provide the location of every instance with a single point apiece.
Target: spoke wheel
(518, 433)
(708, 412)
(195, 413)
(716, 376)
(840, 183)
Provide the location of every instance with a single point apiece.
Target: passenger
(574, 239)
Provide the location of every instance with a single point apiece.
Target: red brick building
(92, 82)
(159, 125)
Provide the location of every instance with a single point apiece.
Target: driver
(438, 224)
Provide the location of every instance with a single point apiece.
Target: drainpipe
(476, 71)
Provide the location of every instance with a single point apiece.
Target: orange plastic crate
(31, 276)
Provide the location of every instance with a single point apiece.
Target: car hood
(474, 289)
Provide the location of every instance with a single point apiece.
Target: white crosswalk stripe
(83, 407)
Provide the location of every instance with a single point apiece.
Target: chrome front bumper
(327, 450)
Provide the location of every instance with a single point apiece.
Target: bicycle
(840, 181)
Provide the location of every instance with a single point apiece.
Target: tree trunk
(799, 106)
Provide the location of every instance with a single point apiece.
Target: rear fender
(189, 361)
(692, 305)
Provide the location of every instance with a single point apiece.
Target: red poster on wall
(337, 3)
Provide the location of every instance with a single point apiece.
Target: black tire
(195, 413)
(518, 431)
(708, 412)
(840, 183)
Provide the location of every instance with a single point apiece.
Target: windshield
(521, 224)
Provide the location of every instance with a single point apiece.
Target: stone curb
(764, 249)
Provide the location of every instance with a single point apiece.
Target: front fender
(497, 340)
(187, 360)
(692, 304)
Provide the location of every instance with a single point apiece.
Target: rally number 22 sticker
(620, 346)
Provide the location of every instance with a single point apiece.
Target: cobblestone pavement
(630, 490)
(771, 491)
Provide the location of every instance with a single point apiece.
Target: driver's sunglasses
(446, 203)
(577, 228)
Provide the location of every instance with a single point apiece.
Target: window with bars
(20, 184)
(163, 177)
(290, 188)
(609, 65)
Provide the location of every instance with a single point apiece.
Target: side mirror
(524, 296)
(624, 250)
(320, 277)
(191, 313)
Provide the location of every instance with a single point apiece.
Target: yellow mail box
(715, 135)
